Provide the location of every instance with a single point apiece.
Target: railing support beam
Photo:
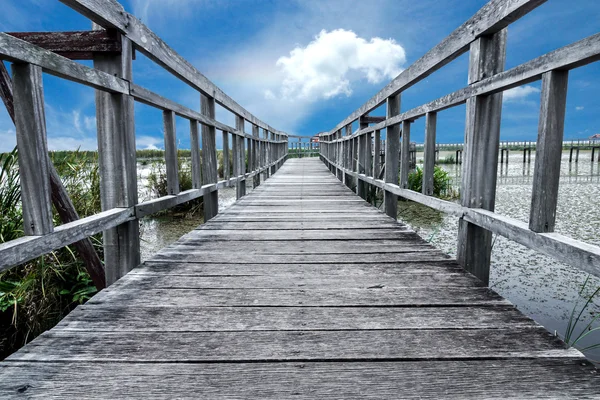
(548, 155)
(392, 145)
(482, 141)
(117, 164)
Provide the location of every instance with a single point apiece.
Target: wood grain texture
(303, 289)
(75, 45)
(548, 151)
(209, 158)
(30, 123)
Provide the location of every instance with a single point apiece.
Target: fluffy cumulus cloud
(328, 65)
(519, 93)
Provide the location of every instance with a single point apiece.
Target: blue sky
(304, 65)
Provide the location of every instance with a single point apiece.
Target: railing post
(196, 159)
(171, 152)
(226, 174)
(255, 155)
(348, 156)
(30, 122)
(377, 154)
(480, 166)
(241, 158)
(209, 158)
(392, 145)
(117, 164)
(361, 186)
(546, 174)
(429, 156)
(405, 154)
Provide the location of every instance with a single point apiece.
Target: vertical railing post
(171, 152)
(30, 122)
(241, 158)
(546, 174)
(226, 174)
(405, 154)
(377, 154)
(348, 156)
(392, 145)
(480, 166)
(429, 156)
(361, 186)
(255, 155)
(209, 158)
(117, 164)
(196, 159)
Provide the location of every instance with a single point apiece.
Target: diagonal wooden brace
(60, 197)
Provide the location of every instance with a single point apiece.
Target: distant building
(595, 137)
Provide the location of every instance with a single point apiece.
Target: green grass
(577, 319)
(442, 183)
(36, 295)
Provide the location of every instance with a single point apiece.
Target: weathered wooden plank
(569, 57)
(171, 159)
(165, 202)
(407, 345)
(507, 379)
(548, 151)
(480, 164)
(209, 158)
(19, 51)
(366, 280)
(196, 159)
(60, 198)
(429, 156)
(75, 45)
(491, 18)
(112, 318)
(226, 256)
(226, 172)
(383, 270)
(29, 247)
(30, 122)
(405, 155)
(448, 296)
(117, 164)
(392, 147)
(111, 14)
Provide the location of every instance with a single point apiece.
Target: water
(157, 232)
(541, 287)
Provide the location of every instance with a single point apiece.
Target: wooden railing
(115, 97)
(484, 36)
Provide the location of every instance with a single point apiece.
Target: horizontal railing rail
(351, 155)
(254, 155)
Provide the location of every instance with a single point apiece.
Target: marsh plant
(577, 319)
(442, 183)
(36, 295)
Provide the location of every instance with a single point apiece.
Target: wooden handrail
(115, 97)
(484, 39)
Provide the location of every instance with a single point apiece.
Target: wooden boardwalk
(300, 290)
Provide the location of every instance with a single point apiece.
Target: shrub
(442, 183)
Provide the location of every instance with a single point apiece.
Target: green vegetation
(447, 160)
(575, 321)
(442, 183)
(36, 295)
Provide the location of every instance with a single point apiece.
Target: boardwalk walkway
(300, 290)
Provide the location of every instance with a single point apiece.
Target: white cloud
(579, 108)
(149, 142)
(519, 93)
(327, 65)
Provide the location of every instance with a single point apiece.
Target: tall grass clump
(157, 183)
(38, 294)
(447, 160)
(442, 183)
(576, 320)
